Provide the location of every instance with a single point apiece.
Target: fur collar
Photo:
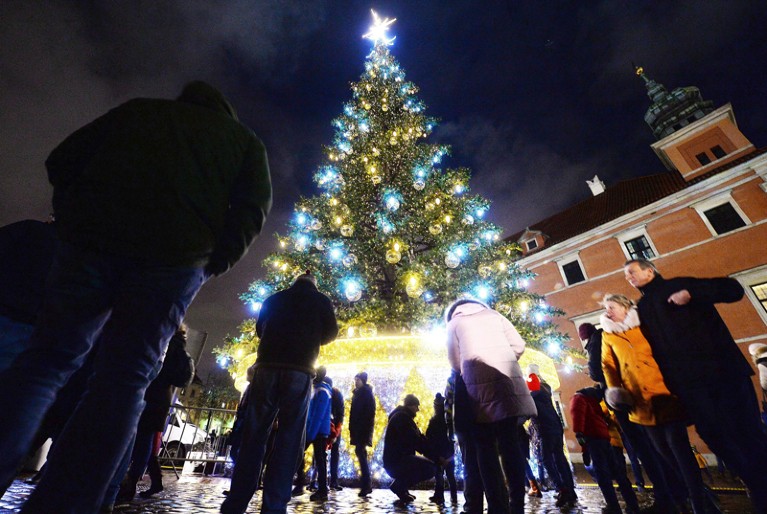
(611, 327)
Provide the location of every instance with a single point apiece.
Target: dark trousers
(606, 469)
(673, 444)
(361, 451)
(320, 462)
(409, 471)
(492, 440)
(557, 465)
(334, 456)
(726, 416)
(473, 494)
(439, 479)
(668, 488)
(636, 466)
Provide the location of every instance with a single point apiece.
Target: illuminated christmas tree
(393, 237)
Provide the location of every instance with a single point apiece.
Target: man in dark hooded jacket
(702, 364)
(150, 199)
(361, 423)
(401, 442)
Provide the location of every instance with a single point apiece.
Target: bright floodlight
(377, 31)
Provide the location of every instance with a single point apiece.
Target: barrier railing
(190, 441)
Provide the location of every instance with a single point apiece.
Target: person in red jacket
(591, 430)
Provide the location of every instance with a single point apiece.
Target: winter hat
(439, 400)
(320, 373)
(619, 399)
(533, 382)
(362, 375)
(411, 399)
(586, 330)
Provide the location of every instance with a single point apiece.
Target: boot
(535, 489)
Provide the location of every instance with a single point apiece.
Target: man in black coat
(292, 325)
(401, 442)
(703, 366)
(151, 199)
(361, 422)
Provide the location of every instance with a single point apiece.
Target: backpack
(178, 366)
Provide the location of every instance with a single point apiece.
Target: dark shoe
(226, 493)
(151, 491)
(312, 486)
(402, 494)
(438, 499)
(107, 508)
(297, 491)
(364, 492)
(336, 487)
(612, 510)
(319, 496)
(566, 497)
(535, 490)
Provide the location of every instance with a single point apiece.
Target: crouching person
(401, 442)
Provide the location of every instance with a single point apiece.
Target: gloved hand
(586, 457)
(581, 439)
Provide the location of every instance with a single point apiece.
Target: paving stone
(198, 494)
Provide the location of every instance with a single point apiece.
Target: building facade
(705, 216)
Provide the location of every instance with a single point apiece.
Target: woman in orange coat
(628, 363)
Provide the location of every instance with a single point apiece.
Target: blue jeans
(274, 392)
(135, 309)
(14, 337)
(557, 465)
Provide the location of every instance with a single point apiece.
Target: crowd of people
(155, 197)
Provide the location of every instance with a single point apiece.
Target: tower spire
(671, 111)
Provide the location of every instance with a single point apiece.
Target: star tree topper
(377, 32)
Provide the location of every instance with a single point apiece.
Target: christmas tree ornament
(349, 260)
(435, 229)
(393, 256)
(452, 260)
(419, 184)
(347, 230)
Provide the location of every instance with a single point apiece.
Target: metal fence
(195, 440)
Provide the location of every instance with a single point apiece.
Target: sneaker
(297, 491)
(319, 496)
(364, 492)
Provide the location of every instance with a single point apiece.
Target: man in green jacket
(151, 200)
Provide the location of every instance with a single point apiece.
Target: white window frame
(633, 234)
(567, 260)
(747, 279)
(589, 317)
(716, 201)
(527, 244)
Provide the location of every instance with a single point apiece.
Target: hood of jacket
(615, 327)
(203, 94)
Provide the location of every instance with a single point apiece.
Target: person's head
(450, 311)
(639, 272)
(616, 307)
(360, 379)
(204, 95)
(439, 402)
(307, 275)
(412, 403)
(586, 330)
(320, 374)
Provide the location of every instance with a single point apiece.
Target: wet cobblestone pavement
(197, 494)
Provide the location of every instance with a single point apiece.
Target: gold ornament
(484, 271)
(347, 230)
(393, 256)
(435, 229)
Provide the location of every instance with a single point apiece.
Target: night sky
(535, 97)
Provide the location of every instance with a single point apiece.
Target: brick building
(705, 216)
